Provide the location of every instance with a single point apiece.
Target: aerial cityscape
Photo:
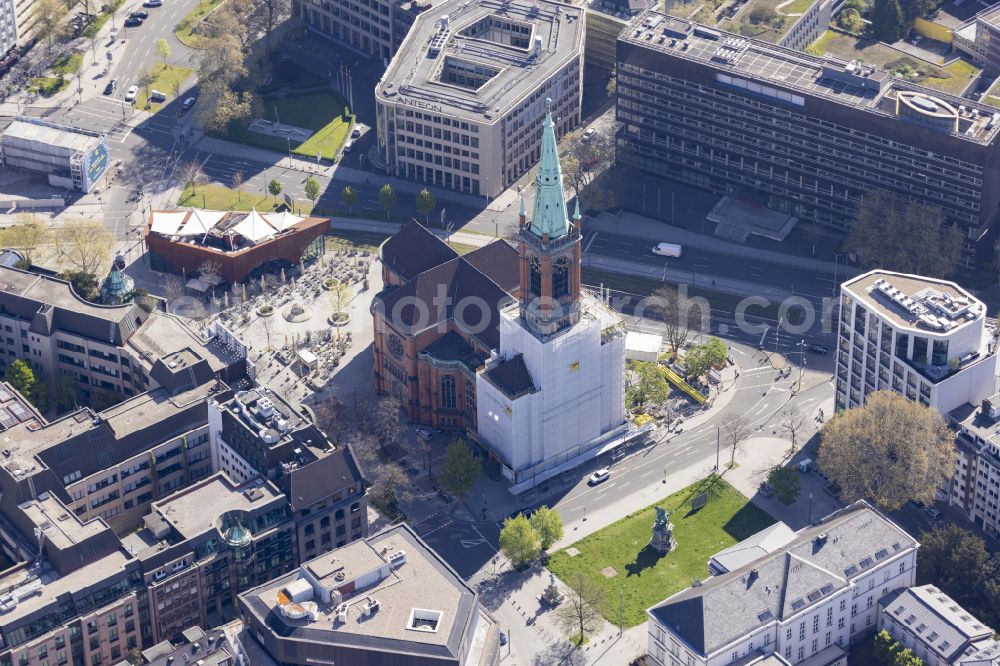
(499, 332)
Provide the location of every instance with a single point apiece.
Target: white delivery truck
(667, 249)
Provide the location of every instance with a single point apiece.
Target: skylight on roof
(920, 628)
(765, 615)
(867, 562)
(882, 554)
(798, 604)
(945, 645)
(826, 589)
(851, 570)
(932, 636)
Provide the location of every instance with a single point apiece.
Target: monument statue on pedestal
(552, 595)
(663, 532)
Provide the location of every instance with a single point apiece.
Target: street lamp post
(718, 436)
(621, 595)
(776, 329)
(802, 363)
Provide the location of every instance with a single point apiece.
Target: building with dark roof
(807, 137)
(427, 349)
(977, 465)
(387, 600)
(807, 600)
(257, 433)
(213, 648)
(938, 630)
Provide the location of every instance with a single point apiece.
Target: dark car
(818, 349)
(111, 87)
(133, 22)
(139, 15)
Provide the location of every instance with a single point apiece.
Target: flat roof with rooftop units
(481, 58)
(777, 72)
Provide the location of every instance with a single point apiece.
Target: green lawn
(961, 72)
(184, 31)
(797, 7)
(646, 576)
(218, 197)
(166, 78)
(321, 113)
(67, 65)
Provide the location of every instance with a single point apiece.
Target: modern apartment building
(802, 135)
(462, 102)
(975, 486)
(257, 434)
(938, 630)
(387, 600)
(806, 601)
(925, 338)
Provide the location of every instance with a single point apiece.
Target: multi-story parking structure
(462, 102)
(803, 135)
(925, 338)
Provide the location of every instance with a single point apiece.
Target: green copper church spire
(549, 216)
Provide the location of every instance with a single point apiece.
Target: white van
(667, 249)
(157, 96)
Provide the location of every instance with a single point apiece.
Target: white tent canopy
(282, 220)
(253, 227)
(201, 221)
(167, 223)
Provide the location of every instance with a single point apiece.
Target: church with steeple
(552, 394)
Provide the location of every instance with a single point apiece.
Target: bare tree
(28, 233)
(268, 325)
(190, 174)
(386, 425)
(792, 422)
(666, 304)
(269, 283)
(237, 180)
(735, 431)
(210, 272)
(84, 244)
(579, 612)
(172, 286)
(390, 488)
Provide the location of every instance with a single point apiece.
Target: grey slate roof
(939, 622)
(413, 250)
(512, 377)
(710, 616)
(756, 546)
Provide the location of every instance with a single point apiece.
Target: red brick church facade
(425, 352)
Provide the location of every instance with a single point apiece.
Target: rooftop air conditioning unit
(342, 613)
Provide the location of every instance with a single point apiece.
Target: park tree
(145, 82)
(674, 309)
(579, 612)
(792, 423)
(390, 489)
(426, 203)
(889, 450)
(349, 197)
(162, 50)
(519, 541)
(84, 244)
(645, 383)
(957, 561)
(20, 375)
(849, 20)
(460, 469)
(583, 158)
(734, 433)
(885, 647)
(888, 22)
(891, 233)
(701, 358)
(48, 18)
(274, 187)
(312, 189)
(785, 482)
(237, 180)
(340, 300)
(26, 235)
(387, 197)
(171, 286)
(548, 525)
(386, 425)
(66, 393)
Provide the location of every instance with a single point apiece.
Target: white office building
(804, 603)
(922, 337)
(553, 393)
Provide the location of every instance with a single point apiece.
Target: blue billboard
(95, 163)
